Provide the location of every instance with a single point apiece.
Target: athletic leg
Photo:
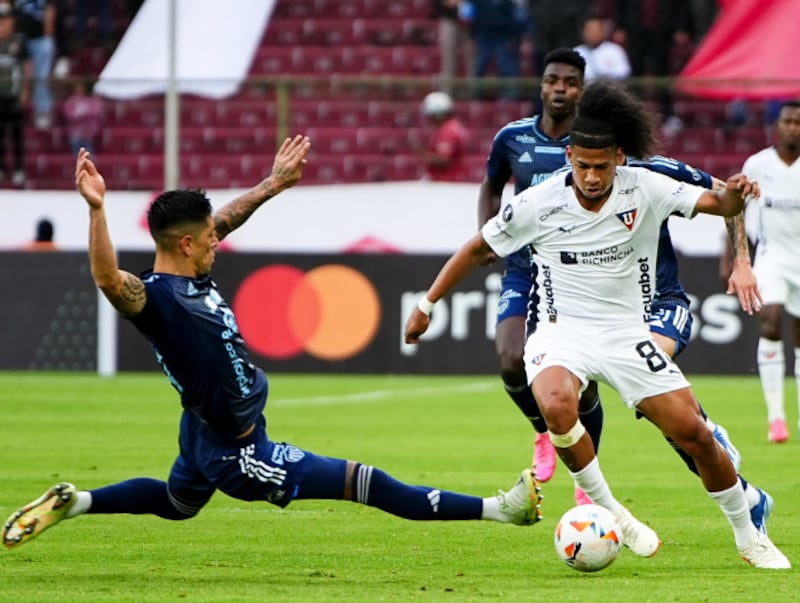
(339, 479)
(771, 369)
(678, 415)
(513, 326)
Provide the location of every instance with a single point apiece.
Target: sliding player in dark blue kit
(223, 440)
(530, 150)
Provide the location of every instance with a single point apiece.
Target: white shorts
(778, 284)
(625, 357)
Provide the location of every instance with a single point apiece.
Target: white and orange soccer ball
(588, 538)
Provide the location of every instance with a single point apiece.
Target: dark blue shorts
(671, 318)
(516, 285)
(253, 468)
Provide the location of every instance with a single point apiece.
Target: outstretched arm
(124, 290)
(729, 200)
(742, 281)
(475, 252)
(287, 169)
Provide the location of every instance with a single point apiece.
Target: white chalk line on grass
(382, 395)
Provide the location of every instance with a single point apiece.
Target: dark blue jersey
(667, 282)
(522, 151)
(198, 345)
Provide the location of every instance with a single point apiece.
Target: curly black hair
(611, 116)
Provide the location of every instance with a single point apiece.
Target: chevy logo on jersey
(627, 217)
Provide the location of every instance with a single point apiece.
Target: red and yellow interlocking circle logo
(331, 312)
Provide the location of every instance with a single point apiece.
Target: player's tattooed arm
(742, 280)
(129, 296)
(287, 169)
(738, 237)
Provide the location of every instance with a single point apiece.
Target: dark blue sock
(592, 420)
(141, 495)
(375, 488)
(523, 398)
(328, 479)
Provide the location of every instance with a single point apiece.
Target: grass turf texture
(450, 432)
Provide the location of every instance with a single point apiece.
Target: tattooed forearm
(232, 215)
(738, 236)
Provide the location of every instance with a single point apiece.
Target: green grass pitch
(458, 433)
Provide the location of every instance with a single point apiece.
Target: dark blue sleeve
(498, 166)
(677, 170)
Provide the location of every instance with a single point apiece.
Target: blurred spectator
(83, 116)
(43, 241)
(15, 73)
(446, 14)
(555, 24)
(37, 20)
(444, 157)
(604, 58)
(496, 27)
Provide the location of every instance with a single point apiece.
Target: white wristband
(425, 305)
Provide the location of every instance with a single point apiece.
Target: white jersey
(778, 208)
(595, 267)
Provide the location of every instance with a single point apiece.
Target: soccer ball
(588, 538)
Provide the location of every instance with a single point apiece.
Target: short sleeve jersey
(198, 345)
(778, 207)
(521, 150)
(593, 266)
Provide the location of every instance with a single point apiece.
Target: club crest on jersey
(537, 360)
(627, 217)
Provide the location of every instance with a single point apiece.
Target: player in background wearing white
(777, 257)
(596, 254)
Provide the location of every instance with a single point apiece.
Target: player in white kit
(777, 170)
(595, 235)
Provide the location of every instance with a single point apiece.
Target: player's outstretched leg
(340, 479)
(37, 516)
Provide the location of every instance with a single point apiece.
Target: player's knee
(560, 410)
(695, 438)
(177, 509)
(512, 365)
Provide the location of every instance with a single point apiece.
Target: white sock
(734, 505)
(771, 369)
(751, 494)
(82, 504)
(590, 479)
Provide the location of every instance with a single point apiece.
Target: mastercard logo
(331, 312)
